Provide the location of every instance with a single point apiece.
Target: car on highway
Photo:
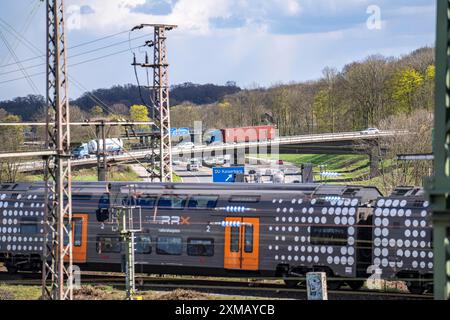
(185, 145)
(194, 165)
(370, 131)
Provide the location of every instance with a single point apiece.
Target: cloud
(191, 15)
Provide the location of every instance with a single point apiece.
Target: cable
(72, 47)
(32, 47)
(153, 108)
(26, 75)
(28, 20)
(138, 82)
(72, 56)
(72, 65)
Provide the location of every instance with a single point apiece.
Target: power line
(22, 69)
(76, 46)
(78, 84)
(75, 55)
(28, 20)
(73, 65)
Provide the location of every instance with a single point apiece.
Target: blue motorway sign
(226, 175)
(183, 131)
(180, 131)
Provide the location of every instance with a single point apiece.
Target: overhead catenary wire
(40, 55)
(72, 56)
(71, 65)
(22, 69)
(33, 48)
(28, 20)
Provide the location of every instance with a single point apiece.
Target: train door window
(172, 246)
(146, 202)
(66, 236)
(334, 236)
(172, 202)
(200, 247)
(108, 245)
(234, 243)
(78, 232)
(143, 245)
(28, 226)
(248, 239)
(203, 202)
(103, 208)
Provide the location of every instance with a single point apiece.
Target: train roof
(366, 193)
(404, 191)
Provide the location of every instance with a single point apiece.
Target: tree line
(118, 99)
(359, 96)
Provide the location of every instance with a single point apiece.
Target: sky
(251, 42)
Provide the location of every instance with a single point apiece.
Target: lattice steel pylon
(438, 188)
(160, 96)
(57, 255)
(161, 100)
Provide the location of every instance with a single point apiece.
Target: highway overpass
(347, 142)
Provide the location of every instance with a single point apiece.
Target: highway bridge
(332, 143)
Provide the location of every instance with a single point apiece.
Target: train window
(203, 202)
(335, 236)
(172, 246)
(82, 197)
(234, 244)
(172, 202)
(143, 245)
(129, 201)
(245, 199)
(102, 212)
(108, 245)
(248, 241)
(146, 202)
(77, 232)
(200, 247)
(29, 226)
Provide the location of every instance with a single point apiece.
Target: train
(239, 135)
(238, 230)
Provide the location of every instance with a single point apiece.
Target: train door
(79, 237)
(242, 244)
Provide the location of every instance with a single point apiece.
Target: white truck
(84, 151)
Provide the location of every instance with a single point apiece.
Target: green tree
(322, 113)
(12, 141)
(406, 85)
(139, 113)
(96, 111)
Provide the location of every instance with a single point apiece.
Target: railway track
(256, 289)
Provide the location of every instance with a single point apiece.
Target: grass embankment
(121, 173)
(351, 167)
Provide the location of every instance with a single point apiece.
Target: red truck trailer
(249, 134)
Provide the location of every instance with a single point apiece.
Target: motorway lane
(202, 176)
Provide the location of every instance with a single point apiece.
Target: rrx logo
(172, 220)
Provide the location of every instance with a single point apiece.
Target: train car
(403, 238)
(249, 134)
(202, 229)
